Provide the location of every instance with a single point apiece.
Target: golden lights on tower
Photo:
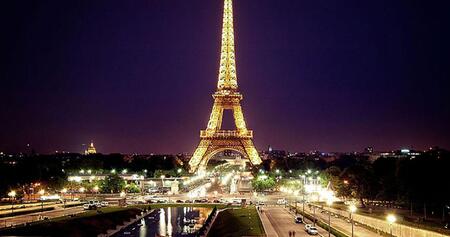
(213, 139)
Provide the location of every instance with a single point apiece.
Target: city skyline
(336, 82)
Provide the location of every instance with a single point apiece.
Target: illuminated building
(90, 149)
(227, 97)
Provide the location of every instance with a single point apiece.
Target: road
(16, 220)
(283, 222)
(342, 224)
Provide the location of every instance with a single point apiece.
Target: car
(298, 219)
(307, 226)
(216, 201)
(260, 203)
(312, 230)
(282, 201)
(179, 201)
(104, 204)
(89, 206)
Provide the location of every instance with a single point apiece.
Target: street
(341, 224)
(59, 211)
(282, 222)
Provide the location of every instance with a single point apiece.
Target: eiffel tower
(227, 97)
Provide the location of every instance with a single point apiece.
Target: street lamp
(329, 203)
(162, 180)
(12, 195)
(391, 219)
(352, 210)
(63, 192)
(42, 192)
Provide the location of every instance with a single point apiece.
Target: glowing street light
(162, 180)
(352, 210)
(391, 219)
(179, 170)
(12, 195)
(113, 171)
(262, 177)
(63, 192)
(329, 203)
(42, 192)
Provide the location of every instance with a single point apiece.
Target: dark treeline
(420, 182)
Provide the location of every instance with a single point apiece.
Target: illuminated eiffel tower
(227, 97)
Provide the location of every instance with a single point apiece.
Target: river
(169, 221)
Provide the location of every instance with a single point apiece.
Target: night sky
(137, 76)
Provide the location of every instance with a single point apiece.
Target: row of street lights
(391, 219)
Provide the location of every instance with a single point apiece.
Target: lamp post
(42, 192)
(95, 189)
(352, 210)
(329, 203)
(81, 190)
(162, 181)
(12, 195)
(314, 209)
(391, 219)
(63, 193)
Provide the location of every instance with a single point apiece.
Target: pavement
(278, 221)
(17, 220)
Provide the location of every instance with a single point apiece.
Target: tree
(133, 188)
(263, 182)
(112, 184)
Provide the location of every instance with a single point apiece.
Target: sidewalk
(268, 228)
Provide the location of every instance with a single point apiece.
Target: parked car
(281, 201)
(179, 201)
(104, 204)
(89, 206)
(312, 230)
(307, 226)
(298, 219)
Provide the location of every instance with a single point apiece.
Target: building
(91, 149)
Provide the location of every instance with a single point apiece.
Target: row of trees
(401, 180)
(21, 173)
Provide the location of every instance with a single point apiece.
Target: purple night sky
(137, 76)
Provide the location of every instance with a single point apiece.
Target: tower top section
(227, 69)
